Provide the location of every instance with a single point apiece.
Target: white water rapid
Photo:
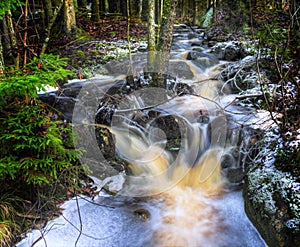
(170, 200)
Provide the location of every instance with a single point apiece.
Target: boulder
(202, 60)
(272, 203)
(229, 51)
(180, 69)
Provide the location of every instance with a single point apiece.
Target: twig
(241, 97)
(146, 107)
(263, 91)
(48, 30)
(80, 221)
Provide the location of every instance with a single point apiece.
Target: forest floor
(97, 43)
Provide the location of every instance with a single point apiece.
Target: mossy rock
(272, 202)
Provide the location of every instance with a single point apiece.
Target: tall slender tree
(151, 35)
(166, 34)
(2, 66)
(10, 40)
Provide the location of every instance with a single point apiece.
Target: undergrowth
(38, 163)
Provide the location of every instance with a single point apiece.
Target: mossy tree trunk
(10, 45)
(48, 11)
(69, 17)
(159, 53)
(198, 13)
(151, 35)
(50, 25)
(166, 35)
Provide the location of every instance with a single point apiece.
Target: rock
(211, 43)
(216, 33)
(65, 98)
(229, 51)
(142, 213)
(196, 43)
(235, 175)
(202, 60)
(180, 69)
(272, 203)
(192, 35)
(143, 47)
(198, 48)
(232, 52)
(241, 75)
(193, 55)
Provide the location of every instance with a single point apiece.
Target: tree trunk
(2, 66)
(95, 11)
(198, 13)
(48, 11)
(160, 8)
(49, 27)
(69, 17)
(215, 11)
(140, 9)
(151, 36)
(106, 6)
(166, 35)
(10, 41)
(25, 33)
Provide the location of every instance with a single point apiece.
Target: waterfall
(186, 182)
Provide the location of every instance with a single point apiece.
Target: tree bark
(49, 27)
(151, 35)
(25, 33)
(198, 13)
(10, 41)
(48, 11)
(166, 35)
(140, 9)
(69, 17)
(95, 11)
(2, 66)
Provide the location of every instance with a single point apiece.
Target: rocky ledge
(272, 200)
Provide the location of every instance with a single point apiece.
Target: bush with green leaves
(33, 147)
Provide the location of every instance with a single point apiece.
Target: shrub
(32, 138)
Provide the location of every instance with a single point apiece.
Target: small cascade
(187, 182)
(180, 151)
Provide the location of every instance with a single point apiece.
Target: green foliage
(32, 139)
(9, 5)
(37, 74)
(274, 33)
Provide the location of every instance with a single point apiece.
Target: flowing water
(180, 198)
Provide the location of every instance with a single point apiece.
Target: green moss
(80, 53)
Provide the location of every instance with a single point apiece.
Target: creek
(189, 196)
